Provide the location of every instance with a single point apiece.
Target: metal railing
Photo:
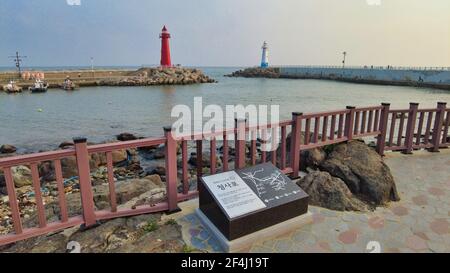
(368, 67)
(416, 129)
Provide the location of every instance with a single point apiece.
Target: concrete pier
(420, 77)
(438, 78)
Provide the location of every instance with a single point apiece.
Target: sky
(226, 32)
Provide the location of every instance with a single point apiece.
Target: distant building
(265, 55)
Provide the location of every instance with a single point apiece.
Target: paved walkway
(418, 223)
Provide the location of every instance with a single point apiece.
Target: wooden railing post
(171, 169)
(381, 140)
(410, 127)
(295, 143)
(349, 122)
(239, 142)
(437, 131)
(84, 174)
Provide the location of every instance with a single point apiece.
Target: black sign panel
(271, 185)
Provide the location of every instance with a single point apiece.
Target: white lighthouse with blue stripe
(265, 56)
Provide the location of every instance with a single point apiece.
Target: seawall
(122, 77)
(434, 78)
(419, 77)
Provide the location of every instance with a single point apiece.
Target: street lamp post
(92, 67)
(343, 61)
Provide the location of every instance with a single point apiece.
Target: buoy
(39, 110)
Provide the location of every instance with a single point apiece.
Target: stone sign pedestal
(252, 203)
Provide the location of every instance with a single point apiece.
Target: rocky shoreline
(158, 76)
(346, 176)
(256, 72)
(274, 73)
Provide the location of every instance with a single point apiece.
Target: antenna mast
(17, 61)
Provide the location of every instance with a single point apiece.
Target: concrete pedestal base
(247, 240)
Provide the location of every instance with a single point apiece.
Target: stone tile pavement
(418, 223)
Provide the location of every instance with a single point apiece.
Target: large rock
(22, 176)
(69, 167)
(126, 136)
(312, 158)
(329, 192)
(7, 149)
(69, 164)
(363, 171)
(206, 159)
(66, 145)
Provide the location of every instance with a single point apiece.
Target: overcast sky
(226, 32)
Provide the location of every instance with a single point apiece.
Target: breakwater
(122, 77)
(419, 77)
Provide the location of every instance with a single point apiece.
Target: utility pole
(343, 61)
(17, 61)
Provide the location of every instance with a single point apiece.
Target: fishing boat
(68, 85)
(12, 87)
(39, 86)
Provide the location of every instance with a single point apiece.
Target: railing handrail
(320, 129)
(35, 157)
(402, 68)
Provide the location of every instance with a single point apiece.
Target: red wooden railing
(415, 129)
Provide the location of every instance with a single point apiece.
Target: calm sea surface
(99, 113)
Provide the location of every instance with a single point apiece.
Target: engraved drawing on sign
(275, 180)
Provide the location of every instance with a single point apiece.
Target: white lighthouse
(265, 56)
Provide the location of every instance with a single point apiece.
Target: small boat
(12, 87)
(68, 85)
(39, 86)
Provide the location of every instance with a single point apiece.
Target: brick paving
(419, 222)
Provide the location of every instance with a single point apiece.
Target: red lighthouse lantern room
(165, 48)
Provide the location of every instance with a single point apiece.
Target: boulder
(363, 171)
(47, 171)
(159, 170)
(206, 159)
(22, 176)
(66, 145)
(329, 192)
(129, 189)
(7, 149)
(312, 158)
(119, 156)
(126, 137)
(69, 167)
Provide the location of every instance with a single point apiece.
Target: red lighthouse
(165, 48)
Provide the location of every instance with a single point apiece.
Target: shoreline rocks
(256, 72)
(160, 76)
(7, 149)
(141, 233)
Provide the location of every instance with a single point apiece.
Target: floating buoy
(39, 110)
